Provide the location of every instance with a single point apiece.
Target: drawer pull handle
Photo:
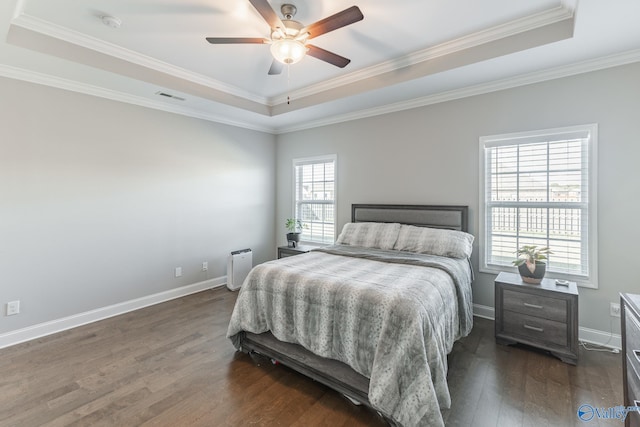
(636, 403)
(526, 304)
(533, 328)
(636, 353)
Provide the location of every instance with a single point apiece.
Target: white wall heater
(238, 267)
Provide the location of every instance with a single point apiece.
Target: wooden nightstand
(543, 316)
(285, 251)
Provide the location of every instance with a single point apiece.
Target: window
(539, 188)
(315, 197)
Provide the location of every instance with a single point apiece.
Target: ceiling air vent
(168, 95)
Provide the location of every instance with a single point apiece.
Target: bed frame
(333, 373)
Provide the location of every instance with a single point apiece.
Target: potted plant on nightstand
(294, 226)
(530, 263)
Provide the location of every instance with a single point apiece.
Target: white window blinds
(314, 195)
(538, 189)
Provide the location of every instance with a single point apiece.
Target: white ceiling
(403, 54)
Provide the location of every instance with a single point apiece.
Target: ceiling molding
(18, 10)
(66, 50)
(498, 32)
(87, 89)
(49, 29)
(610, 61)
(596, 64)
(532, 38)
(38, 42)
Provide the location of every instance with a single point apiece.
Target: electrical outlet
(178, 271)
(614, 309)
(205, 265)
(13, 307)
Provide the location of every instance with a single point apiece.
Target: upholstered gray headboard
(436, 216)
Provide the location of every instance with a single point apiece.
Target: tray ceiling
(403, 53)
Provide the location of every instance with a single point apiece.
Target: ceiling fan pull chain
(288, 85)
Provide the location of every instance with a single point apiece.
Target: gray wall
(100, 200)
(429, 155)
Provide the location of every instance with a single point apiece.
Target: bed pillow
(378, 235)
(434, 241)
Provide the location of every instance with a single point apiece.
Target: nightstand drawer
(286, 251)
(633, 341)
(535, 328)
(633, 417)
(633, 392)
(535, 305)
(630, 305)
(284, 254)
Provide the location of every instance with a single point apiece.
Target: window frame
(591, 130)
(311, 160)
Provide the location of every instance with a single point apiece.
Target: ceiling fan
(288, 38)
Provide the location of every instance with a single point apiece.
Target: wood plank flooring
(171, 365)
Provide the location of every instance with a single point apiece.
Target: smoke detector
(111, 21)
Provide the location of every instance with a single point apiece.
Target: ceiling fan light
(288, 51)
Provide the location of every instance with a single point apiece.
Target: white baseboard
(600, 338)
(587, 335)
(484, 311)
(59, 325)
(8, 339)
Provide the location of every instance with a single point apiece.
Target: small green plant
(529, 254)
(294, 225)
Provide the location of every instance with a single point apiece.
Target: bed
(373, 316)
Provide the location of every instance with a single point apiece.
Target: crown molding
(498, 32)
(49, 29)
(32, 23)
(596, 64)
(18, 10)
(87, 89)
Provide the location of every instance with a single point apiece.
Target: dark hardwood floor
(496, 385)
(171, 365)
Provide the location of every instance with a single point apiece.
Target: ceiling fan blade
(276, 68)
(333, 22)
(234, 40)
(266, 11)
(326, 56)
